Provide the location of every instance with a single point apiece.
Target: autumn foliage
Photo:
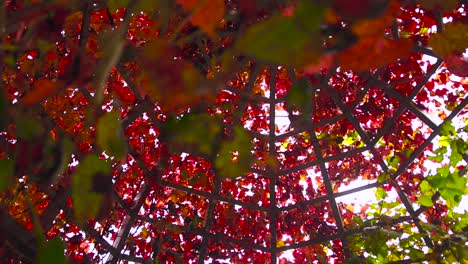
(233, 131)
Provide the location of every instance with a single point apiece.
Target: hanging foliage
(233, 131)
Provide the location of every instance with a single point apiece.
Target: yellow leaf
(303, 177)
(280, 243)
(144, 232)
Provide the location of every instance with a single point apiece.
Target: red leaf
(358, 9)
(457, 65)
(248, 8)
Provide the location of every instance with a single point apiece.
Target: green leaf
(462, 251)
(299, 95)
(447, 129)
(321, 258)
(425, 188)
(443, 172)
(3, 109)
(6, 171)
(358, 220)
(86, 202)
(28, 127)
(44, 46)
(455, 157)
(193, 133)
(52, 252)
(300, 43)
(393, 161)
(438, 158)
(444, 141)
(461, 221)
(383, 177)
(260, 41)
(452, 39)
(450, 257)
(113, 5)
(380, 193)
(309, 15)
(240, 144)
(435, 181)
(110, 135)
(147, 5)
(425, 200)
(441, 151)
(416, 253)
(459, 147)
(453, 189)
(444, 6)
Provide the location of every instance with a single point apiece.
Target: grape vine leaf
(361, 56)
(3, 110)
(193, 133)
(453, 188)
(457, 64)
(52, 252)
(230, 165)
(142, 5)
(113, 5)
(300, 43)
(42, 89)
(425, 200)
(86, 202)
(110, 135)
(454, 38)
(299, 95)
(372, 44)
(6, 171)
(173, 83)
(205, 13)
(447, 129)
(444, 5)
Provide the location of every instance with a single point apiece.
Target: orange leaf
(376, 26)
(205, 13)
(330, 16)
(362, 56)
(42, 89)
